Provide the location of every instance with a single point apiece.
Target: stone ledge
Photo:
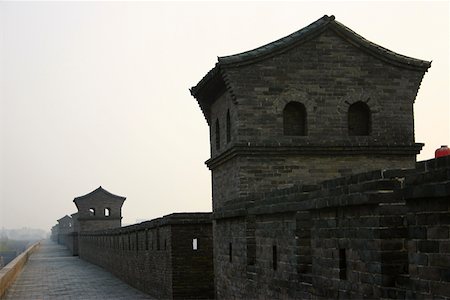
(429, 179)
(308, 149)
(172, 219)
(103, 218)
(9, 272)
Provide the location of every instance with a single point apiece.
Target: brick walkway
(52, 273)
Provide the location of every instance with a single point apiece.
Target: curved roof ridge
(218, 72)
(211, 73)
(378, 50)
(99, 189)
(65, 217)
(281, 43)
(262, 51)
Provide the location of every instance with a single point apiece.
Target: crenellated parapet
(383, 233)
(169, 257)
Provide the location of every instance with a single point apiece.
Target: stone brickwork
(379, 234)
(158, 256)
(72, 242)
(99, 210)
(428, 219)
(169, 257)
(316, 189)
(319, 104)
(66, 232)
(325, 68)
(260, 174)
(54, 233)
(65, 227)
(72, 237)
(10, 272)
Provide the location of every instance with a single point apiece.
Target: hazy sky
(96, 93)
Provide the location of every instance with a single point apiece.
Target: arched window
(217, 135)
(359, 119)
(92, 211)
(228, 127)
(294, 119)
(107, 212)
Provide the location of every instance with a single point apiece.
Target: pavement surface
(53, 273)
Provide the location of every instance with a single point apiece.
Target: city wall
(379, 234)
(168, 257)
(9, 272)
(71, 242)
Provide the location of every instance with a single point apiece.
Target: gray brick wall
(326, 74)
(379, 234)
(157, 256)
(326, 68)
(428, 219)
(99, 200)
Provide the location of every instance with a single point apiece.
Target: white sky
(96, 93)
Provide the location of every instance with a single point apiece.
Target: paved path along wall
(169, 257)
(9, 273)
(53, 273)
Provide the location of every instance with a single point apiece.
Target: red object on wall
(443, 151)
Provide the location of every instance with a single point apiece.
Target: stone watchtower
(320, 103)
(99, 210)
(65, 227)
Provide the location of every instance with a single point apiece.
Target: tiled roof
(303, 35)
(64, 218)
(260, 52)
(102, 190)
(281, 44)
(316, 28)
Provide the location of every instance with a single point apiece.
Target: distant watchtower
(320, 103)
(99, 210)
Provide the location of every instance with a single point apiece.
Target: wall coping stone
(430, 178)
(254, 149)
(9, 273)
(168, 220)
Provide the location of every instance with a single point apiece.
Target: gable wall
(324, 74)
(99, 201)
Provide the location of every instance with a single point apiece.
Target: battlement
(316, 190)
(377, 185)
(378, 234)
(168, 257)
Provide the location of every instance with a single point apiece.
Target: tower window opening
(107, 212)
(274, 257)
(294, 119)
(342, 264)
(92, 211)
(359, 119)
(194, 244)
(217, 135)
(228, 127)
